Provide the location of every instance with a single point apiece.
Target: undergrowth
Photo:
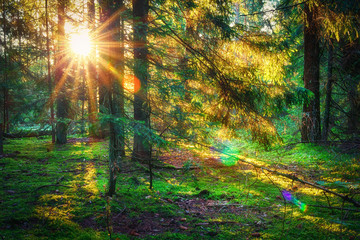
(58, 192)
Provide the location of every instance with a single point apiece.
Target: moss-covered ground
(58, 192)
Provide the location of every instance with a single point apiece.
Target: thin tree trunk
(116, 96)
(104, 77)
(51, 102)
(325, 129)
(91, 74)
(142, 146)
(1, 140)
(5, 76)
(311, 129)
(62, 102)
(351, 67)
(118, 85)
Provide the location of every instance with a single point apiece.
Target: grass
(58, 192)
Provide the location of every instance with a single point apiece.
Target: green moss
(50, 191)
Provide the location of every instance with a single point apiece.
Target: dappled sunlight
(90, 180)
(173, 182)
(59, 206)
(55, 207)
(324, 224)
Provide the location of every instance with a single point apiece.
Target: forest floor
(58, 192)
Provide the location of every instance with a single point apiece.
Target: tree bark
(91, 74)
(51, 102)
(325, 129)
(62, 103)
(142, 146)
(104, 74)
(311, 129)
(5, 89)
(114, 74)
(351, 68)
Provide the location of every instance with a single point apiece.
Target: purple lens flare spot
(287, 195)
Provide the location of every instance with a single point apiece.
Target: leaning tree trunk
(142, 145)
(62, 103)
(310, 129)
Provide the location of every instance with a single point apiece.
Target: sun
(80, 43)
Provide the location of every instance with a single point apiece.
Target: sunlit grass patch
(219, 202)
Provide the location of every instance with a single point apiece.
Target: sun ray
(90, 86)
(61, 82)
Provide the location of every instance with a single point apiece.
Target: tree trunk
(91, 75)
(5, 112)
(51, 102)
(62, 102)
(118, 90)
(114, 30)
(104, 75)
(142, 146)
(351, 68)
(1, 140)
(325, 129)
(310, 129)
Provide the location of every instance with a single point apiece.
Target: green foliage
(248, 200)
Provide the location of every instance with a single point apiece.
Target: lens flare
(290, 198)
(131, 83)
(229, 155)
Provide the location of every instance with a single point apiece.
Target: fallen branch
(337, 208)
(27, 134)
(54, 185)
(293, 177)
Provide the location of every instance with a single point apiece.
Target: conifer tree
(310, 129)
(62, 103)
(142, 146)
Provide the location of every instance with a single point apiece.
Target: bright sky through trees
(80, 43)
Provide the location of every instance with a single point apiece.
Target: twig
(283, 222)
(328, 200)
(59, 180)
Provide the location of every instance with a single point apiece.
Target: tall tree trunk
(114, 74)
(118, 92)
(91, 74)
(351, 67)
(325, 130)
(51, 102)
(142, 146)
(104, 75)
(5, 89)
(117, 138)
(310, 129)
(62, 103)
(4, 79)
